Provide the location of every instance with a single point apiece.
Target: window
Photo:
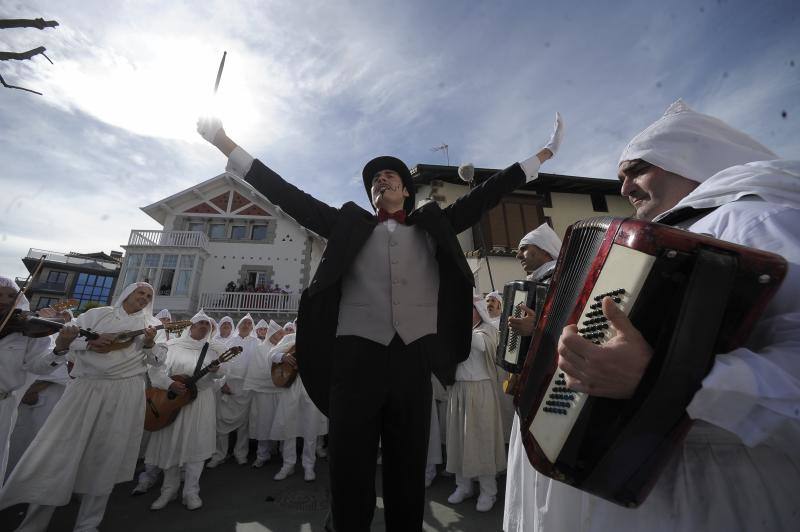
(238, 232)
(181, 287)
(45, 302)
(90, 287)
(259, 232)
(168, 265)
(197, 226)
(504, 225)
(56, 277)
(216, 231)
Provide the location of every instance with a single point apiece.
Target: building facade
(90, 278)
(490, 245)
(224, 248)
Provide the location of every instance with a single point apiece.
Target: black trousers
(378, 392)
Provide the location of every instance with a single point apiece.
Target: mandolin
(125, 338)
(163, 406)
(283, 375)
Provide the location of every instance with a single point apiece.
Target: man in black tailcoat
(390, 302)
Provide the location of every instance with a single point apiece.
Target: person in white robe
(233, 403)
(191, 439)
(494, 306)
(21, 356)
(265, 395)
(91, 440)
(475, 446)
(435, 438)
(737, 469)
(35, 407)
(165, 317)
(297, 417)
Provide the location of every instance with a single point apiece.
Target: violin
(31, 325)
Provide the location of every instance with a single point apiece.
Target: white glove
(208, 126)
(558, 134)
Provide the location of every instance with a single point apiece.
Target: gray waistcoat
(392, 286)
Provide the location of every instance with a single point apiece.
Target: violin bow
(22, 293)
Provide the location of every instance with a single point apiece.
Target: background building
(558, 200)
(87, 277)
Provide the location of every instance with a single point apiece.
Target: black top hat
(387, 162)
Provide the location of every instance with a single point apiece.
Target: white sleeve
(754, 391)
(239, 162)
(531, 168)
(39, 357)
(156, 355)
(159, 377)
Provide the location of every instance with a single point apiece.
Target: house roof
(250, 202)
(423, 174)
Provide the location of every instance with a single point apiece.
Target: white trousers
(149, 475)
(240, 448)
(265, 449)
(191, 478)
(309, 457)
(89, 516)
(488, 484)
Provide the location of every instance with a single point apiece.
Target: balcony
(74, 260)
(176, 239)
(249, 302)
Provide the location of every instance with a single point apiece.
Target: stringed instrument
(283, 375)
(125, 338)
(162, 406)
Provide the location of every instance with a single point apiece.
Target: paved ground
(242, 499)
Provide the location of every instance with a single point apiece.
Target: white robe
(297, 416)
(233, 410)
(738, 468)
(19, 355)
(265, 395)
(192, 436)
(91, 439)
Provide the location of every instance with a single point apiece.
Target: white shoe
(192, 502)
(259, 462)
(309, 475)
(460, 495)
(214, 462)
(163, 500)
(241, 461)
(485, 503)
(430, 474)
(285, 471)
(142, 487)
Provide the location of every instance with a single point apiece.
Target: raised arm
(305, 209)
(467, 210)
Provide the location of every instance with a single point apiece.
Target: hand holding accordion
(643, 309)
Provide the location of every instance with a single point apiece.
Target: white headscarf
(494, 295)
(480, 305)
(148, 310)
(776, 182)
(693, 145)
(544, 238)
(164, 314)
(201, 316)
(22, 301)
(272, 328)
(290, 327)
(246, 318)
(219, 327)
(262, 325)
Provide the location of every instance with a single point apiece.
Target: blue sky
(317, 88)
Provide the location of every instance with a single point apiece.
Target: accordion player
(691, 296)
(512, 347)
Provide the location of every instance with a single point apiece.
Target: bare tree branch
(27, 23)
(20, 56)
(6, 85)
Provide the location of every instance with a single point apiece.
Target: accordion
(512, 348)
(691, 296)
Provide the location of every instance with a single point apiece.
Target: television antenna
(444, 147)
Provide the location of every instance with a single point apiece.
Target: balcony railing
(180, 239)
(249, 301)
(51, 287)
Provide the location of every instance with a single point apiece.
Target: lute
(125, 338)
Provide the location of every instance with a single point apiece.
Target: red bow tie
(399, 216)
